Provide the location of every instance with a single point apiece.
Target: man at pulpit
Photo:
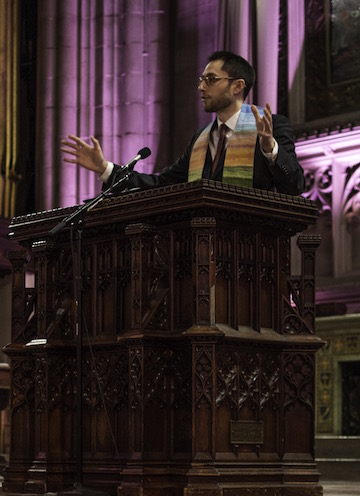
(245, 145)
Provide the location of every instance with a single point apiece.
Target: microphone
(129, 166)
(76, 215)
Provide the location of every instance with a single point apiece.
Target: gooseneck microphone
(128, 167)
(144, 152)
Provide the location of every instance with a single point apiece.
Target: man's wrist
(272, 155)
(104, 177)
(267, 144)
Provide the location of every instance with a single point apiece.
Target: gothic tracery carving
(299, 377)
(319, 187)
(351, 197)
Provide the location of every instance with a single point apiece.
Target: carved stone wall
(331, 161)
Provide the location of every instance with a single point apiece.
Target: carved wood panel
(185, 333)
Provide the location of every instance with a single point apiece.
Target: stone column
(102, 71)
(267, 52)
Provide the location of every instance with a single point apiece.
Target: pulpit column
(308, 246)
(22, 380)
(141, 238)
(19, 259)
(204, 270)
(203, 476)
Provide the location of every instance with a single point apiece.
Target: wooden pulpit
(198, 360)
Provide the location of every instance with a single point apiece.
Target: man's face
(217, 96)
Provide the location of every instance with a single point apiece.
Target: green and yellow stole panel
(239, 158)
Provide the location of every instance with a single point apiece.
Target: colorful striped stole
(239, 158)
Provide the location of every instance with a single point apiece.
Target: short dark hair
(237, 67)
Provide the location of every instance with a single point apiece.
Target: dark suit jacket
(284, 176)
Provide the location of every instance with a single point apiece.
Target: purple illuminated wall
(127, 73)
(123, 71)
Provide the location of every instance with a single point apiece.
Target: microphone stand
(76, 220)
(79, 212)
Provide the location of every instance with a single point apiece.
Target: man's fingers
(66, 150)
(267, 115)
(69, 145)
(71, 160)
(256, 113)
(77, 140)
(268, 108)
(95, 143)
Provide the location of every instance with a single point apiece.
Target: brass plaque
(246, 432)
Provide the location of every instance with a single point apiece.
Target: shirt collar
(231, 123)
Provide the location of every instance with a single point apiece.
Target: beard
(216, 104)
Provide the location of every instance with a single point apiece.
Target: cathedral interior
(126, 72)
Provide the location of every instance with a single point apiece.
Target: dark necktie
(220, 148)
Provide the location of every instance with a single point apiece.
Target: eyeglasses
(211, 80)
